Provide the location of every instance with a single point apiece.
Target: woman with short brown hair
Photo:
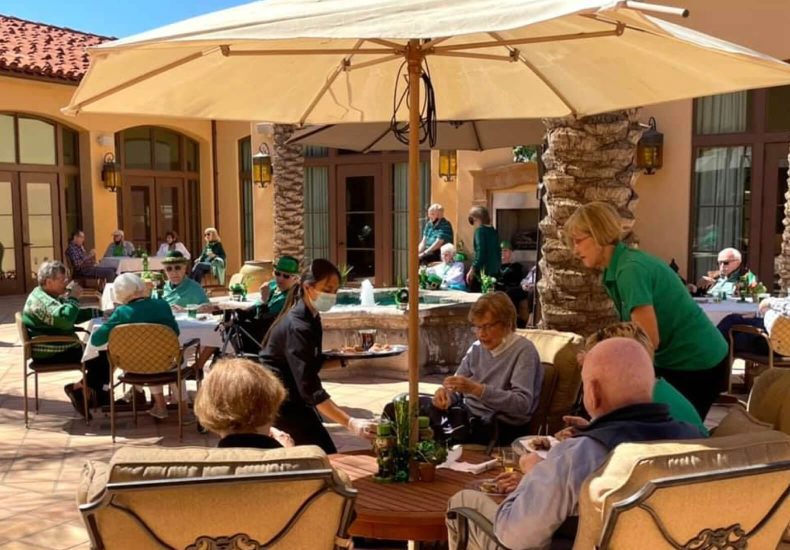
(239, 401)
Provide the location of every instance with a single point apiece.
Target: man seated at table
(53, 309)
(770, 310)
(501, 374)
(130, 292)
(275, 292)
(437, 231)
(119, 247)
(180, 291)
(84, 262)
(727, 278)
(618, 384)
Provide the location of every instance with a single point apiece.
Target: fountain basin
(445, 332)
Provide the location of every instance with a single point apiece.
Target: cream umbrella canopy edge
(328, 61)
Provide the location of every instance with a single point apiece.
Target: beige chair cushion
(559, 349)
(687, 508)
(737, 421)
(180, 514)
(769, 399)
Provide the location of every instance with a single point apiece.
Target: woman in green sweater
(212, 258)
(487, 254)
(130, 291)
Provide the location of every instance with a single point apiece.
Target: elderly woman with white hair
(119, 245)
(136, 307)
(450, 270)
(437, 232)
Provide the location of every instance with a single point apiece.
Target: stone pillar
(288, 179)
(782, 262)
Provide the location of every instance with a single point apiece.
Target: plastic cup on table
(192, 310)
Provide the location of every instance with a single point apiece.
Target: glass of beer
(507, 458)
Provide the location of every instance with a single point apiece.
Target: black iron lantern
(111, 173)
(448, 164)
(262, 167)
(650, 149)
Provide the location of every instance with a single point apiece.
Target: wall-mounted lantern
(111, 173)
(262, 167)
(448, 164)
(650, 149)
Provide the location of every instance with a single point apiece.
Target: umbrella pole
(414, 58)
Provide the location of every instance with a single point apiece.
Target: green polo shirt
(143, 310)
(442, 229)
(187, 292)
(688, 340)
(680, 408)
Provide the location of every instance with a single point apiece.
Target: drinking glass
(192, 310)
(507, 458)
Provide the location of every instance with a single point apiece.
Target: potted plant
(429, 453)
(344, 269)
(238, 291)
(487, 282)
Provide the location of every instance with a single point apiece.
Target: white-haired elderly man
(53, 309)
(727, 277)
(136, 307)
(437, 232)
(451, 271)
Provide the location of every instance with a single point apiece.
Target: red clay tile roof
(31, 48)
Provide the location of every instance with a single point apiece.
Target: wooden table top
(403, 511)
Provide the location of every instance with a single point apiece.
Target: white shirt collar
(506, 343)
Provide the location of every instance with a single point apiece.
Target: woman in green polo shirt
(690, 353)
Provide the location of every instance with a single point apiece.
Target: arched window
(160, 190)
(39, 195)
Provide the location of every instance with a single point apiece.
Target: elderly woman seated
(130, 292)
(450, 271)
(239, 401)
(500, 376)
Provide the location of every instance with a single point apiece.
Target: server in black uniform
(293, 352)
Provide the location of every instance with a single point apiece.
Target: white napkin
(453, 462)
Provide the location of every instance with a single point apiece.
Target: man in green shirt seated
(275, 292)
(53, 309)
(728, 276)
(437, 232)
(180, 291)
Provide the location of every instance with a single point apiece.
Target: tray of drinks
(358, 352)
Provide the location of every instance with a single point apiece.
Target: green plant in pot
(487, 282)
(429, 453)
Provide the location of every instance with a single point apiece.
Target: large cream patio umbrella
(332, 61)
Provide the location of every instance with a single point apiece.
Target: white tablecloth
(202, 329)
(718, 311)
(123, 264)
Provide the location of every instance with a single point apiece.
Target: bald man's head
(617, 372)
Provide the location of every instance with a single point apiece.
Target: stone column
(782, 262)
(288, 179)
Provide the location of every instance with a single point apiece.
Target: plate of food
(488, 486)
(538, 444)
(377, 350)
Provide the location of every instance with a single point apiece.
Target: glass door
(11, 279)
(169, 208)
(41, 223)
(138, 197)
(359, 195)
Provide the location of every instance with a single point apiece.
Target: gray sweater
(512, 380)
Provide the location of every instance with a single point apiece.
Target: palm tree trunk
(587, 159)
(782, 262)
(288, 178)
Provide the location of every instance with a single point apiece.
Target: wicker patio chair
(31, 367)
(147, 354)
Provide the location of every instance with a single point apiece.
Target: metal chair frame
(30, 368)
(155, 378)
(771, 360)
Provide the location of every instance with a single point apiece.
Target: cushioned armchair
(208, 499)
